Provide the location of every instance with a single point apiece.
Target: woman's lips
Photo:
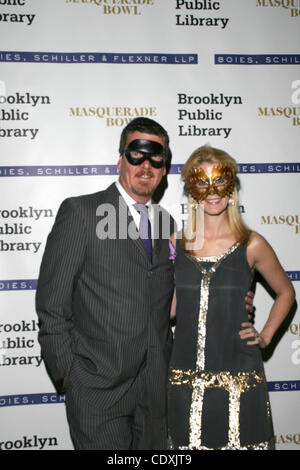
(214, 201)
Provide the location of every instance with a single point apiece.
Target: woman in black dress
(218, 395)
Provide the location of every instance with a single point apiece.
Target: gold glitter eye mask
(221, 182)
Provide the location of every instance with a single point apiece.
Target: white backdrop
(73, 73)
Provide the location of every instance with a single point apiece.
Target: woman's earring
(231, 202)
(194, 204)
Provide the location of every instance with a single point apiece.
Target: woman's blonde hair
(209, 154)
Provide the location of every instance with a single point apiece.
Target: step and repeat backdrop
(73, 74)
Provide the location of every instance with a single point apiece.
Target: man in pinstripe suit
(104, 305)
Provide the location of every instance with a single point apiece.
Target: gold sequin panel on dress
(235, 385)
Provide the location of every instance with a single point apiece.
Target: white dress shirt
(135, 214)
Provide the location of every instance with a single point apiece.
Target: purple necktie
(145, 229)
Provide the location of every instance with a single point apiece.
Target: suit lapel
(157, 232)
(126, 227)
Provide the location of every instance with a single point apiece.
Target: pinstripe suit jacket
(102, 305)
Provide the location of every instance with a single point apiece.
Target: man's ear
(119, 163)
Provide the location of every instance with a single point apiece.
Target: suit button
(150, 273)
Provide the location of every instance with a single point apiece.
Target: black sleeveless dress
(218, 395)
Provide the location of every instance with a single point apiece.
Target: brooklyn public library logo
(113, 116)
(117, 7)
(293, 6)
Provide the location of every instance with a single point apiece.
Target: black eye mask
(140, 150)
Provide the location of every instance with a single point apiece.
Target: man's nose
(146, 164)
